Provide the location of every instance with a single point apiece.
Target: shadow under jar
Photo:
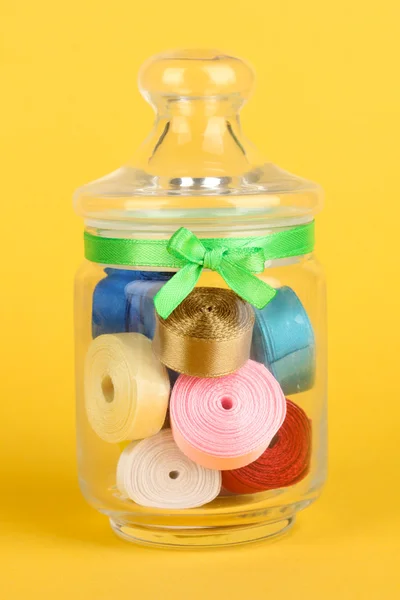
(200, 324)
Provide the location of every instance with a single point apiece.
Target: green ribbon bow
(235, 265)
(235, 259)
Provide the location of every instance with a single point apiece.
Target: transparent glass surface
(196, 165)
(197, 170)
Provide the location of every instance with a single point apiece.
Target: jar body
(289, 340)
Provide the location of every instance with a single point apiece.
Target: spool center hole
(207, 309)
(226, 403)
(173, 474)
(107, 387)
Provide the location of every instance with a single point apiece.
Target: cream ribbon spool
(155, 473)
(126, 387)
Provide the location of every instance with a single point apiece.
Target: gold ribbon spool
(208, 334)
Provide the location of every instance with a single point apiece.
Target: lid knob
(195, 74)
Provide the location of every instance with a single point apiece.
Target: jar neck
(164, 230)
(272, 248)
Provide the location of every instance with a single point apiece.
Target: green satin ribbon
(235, 259)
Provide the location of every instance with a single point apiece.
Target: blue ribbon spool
(110, 303)
(140, 314)
(283, 340)
(112, 310)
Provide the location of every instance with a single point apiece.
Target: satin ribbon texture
(208, 335)
(283, 340)
(237, 260)
(285, 462)
(228, 422)
(235, 265)
(155, 473)
(126, 388)
(111, 312)
(140, 313)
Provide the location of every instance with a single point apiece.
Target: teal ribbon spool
(283, 340)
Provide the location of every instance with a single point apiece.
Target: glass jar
(200, 324)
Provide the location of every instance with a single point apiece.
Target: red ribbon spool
(285, 462)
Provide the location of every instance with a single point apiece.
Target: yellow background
(327, 107)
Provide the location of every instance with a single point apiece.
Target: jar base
(201, 537)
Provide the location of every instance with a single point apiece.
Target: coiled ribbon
(126, 387)
(285, 462)
(283, 340)
(237, 260)
(111, 310)
(228, 422)
(140, 314)
(208, 335)
(155, 473)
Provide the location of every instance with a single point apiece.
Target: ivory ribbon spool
(228, 422)
(155, 473)
(126, 387)
(285, 462)
(207, 335)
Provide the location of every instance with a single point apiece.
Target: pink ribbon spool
(227, 423)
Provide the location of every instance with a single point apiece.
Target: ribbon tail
(176, 289)
(246, 285)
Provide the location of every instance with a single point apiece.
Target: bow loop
(185, 245)
(235, 265)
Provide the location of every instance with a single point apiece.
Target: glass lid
(196, 168)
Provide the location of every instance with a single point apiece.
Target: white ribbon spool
(126, 388)
(155, 473)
